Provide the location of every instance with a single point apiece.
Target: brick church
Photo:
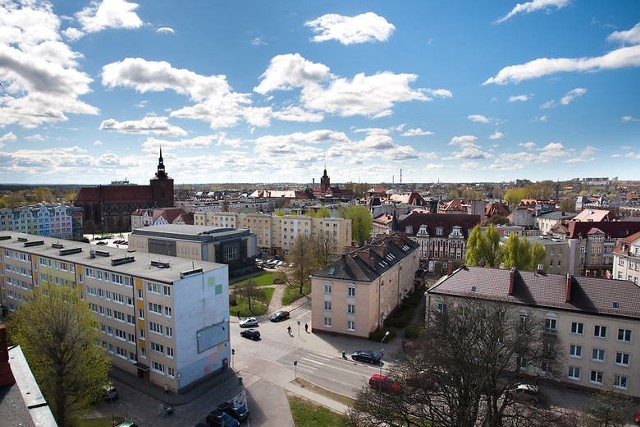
(107, 208)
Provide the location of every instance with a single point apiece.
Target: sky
(255, 91)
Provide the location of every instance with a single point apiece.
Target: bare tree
(251, 292)
(461, 372)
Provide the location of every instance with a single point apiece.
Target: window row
(328, 290)
(600, 331)
(109, 296)
(107, 276)
(160, 369)
(598, 355)
(159, 309)
(351, 308)
(158, 288)
(597, 377)
(351, 324)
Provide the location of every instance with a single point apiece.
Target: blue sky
(271, 91)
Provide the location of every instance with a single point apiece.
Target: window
(327, 305)
(442, 308)
(577, 328)
(575, 350)
(522, 322)
(624, 335)
(159, 348)
(168, 331)
(351, 291)
(351, 325)
(597, 355)
(327, 321)
(171, 372)
(600, 331)
(551, 326)
(597, 377)
(620, 381)
(167, 311)
(170, 352)
(327, 288)
(351, 308)
(622, 359)
(158, 367)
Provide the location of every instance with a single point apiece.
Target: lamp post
(386, 334)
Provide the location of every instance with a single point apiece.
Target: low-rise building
(353, 295)
(626, 259)
(166, 321)
(594, 323)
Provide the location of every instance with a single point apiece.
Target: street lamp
(386, 334)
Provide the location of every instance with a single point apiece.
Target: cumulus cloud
(109, 14)
(366, 27)
(290, 71)
(165, 30)
(496, 135)
(441, 93)
(41, 79)
(148, 125)
(623, 57)
(529, 145)
(627, 119)
(479, 118)
(8, 137)
(533, 6)
(469, 152)
(152, 145)
(572, 94)
(417, 132)
(297, 114)
(518, 98)
(463, 140)
(586, 155)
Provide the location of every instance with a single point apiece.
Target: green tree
(513, 196)
(323, 212)
(518, 252)
(14, 200)
(482, 248)
(361, 223)
(59, 337)
(568, 205)
(607, 409)
(304, 259)
(43, 194)
(251, 292)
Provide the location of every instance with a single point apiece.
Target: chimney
(512, 280)
(6, 376)
(449, 268)
(568, 288)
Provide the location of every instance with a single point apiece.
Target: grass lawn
(291, 293)
(262, 278)
(258, 308)
(98, 422)
(309, 414)
(345, 400)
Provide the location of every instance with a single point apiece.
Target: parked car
(249, 322)
(110, 392)
(217, 418)
(636, 418)
(525, 393)
(238, 411)
(279, 263)
(367, 356)
(252, 334)
(127, 423)
(384, 383)
(279, 316)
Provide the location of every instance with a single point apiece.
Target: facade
(626, 259)
(593, 325)
(164, 321)
(556, 258)
(236, 248)
(545, 221)
(276, 234)
(108, 208)
(353, 295)
(60, 221)
(146, 217)
(441, 237)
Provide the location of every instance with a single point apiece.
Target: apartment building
(164, 321)
(61, 221)
(276, 234)
(626, 259)
(594, 323)
(353, 295)
(556, 253)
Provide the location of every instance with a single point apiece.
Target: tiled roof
(115, 193)
(587, 294)
(615, 229)
(371, 261)
(433, 220)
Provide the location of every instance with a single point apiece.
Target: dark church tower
(325, 183)
(162, 186)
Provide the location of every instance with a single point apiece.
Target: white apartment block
(592, 325)
(276, 234)
(166, 321)
(626, 259)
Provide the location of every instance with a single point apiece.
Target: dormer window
(408, 229)
(439, 231)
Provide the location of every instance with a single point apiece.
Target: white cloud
(470, 165)
(257, 41)
(469, 152)
(290, 71)
(533, 6)
(8, 137)
(548, 104)
(148, 125)
(109, 14)
(97, 142)
(463, 140)
(165, 30)
(627, 119)
(543, 118)
(529, 145)
(572, 94)
(479, 118)
(631, 36)
(152, 145)
(441, 93)
(297, 114)
(518, 98)
(619, 58)
(347, 30)
(417, 132)
(496, 135)
(586, 155)
(433, 166)
(35, 137)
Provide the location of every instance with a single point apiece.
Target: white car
(249, 322)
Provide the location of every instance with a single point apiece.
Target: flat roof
(190, 232)
(141, 266)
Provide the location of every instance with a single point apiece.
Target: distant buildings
(108, 208)
(59, 221)
(592, 326)
(353, 295)
(626, 259)
(162, 319)
(146, 217)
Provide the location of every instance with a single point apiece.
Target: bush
(378, 334)
(414, 331)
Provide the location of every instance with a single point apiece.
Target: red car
(636, 418)
(384, 383)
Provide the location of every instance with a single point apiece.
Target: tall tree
(483, 248)
(518, 252)
(461, 370)
(607, 409)
(251, 292)
(361, 223)
(513, 196)
(59, 337)
(304, 259)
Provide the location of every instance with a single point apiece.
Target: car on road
(367, 356)
(279, 316)
(249, 322)
(127, 423)
(384, 383)
(217, 418)
(110, 392)
(237, 410)
(252, 334)
(525, 393)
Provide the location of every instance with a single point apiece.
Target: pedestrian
(166, 389)
(289, 329)
(306, 327)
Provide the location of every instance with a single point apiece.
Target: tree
(482, 248)
(43, 194)
(323, 212)
(568, 205)
(519, 253)
(59, 337)
(303, 257)
(461, 370)
(361, 223)
(251, 292)
(607, 409)
(513, 196)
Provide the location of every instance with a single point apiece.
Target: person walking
(289, 330)
(306, 327)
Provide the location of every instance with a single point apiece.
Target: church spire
(161, 174)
